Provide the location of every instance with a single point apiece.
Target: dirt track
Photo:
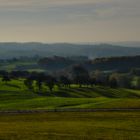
(68, 110)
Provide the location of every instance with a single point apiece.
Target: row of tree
(79, 76)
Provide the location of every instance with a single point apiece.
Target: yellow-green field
(71, 126)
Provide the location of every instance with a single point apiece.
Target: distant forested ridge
(56, 62)
(15, 50)
(123, 63)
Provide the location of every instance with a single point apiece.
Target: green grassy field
(26, 65)
(15, 96)
(71, 126)
(68, 125)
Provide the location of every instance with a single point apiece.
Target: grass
(15, 96)
(26, 65)
(71, 126)
(33, 103)
(68, 125)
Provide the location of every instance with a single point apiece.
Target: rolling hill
(15, 96)
(10, 50)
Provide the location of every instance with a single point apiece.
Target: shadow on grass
(12, 85)
(75, 92)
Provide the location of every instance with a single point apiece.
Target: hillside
(10, 50)
(15, 96)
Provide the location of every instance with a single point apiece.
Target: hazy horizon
(64, 21)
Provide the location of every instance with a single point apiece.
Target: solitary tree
(50, 82)
(80, 75)
(29, 83)
(40, 78)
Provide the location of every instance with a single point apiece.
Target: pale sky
(69, 20)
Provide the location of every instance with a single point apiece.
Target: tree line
(79, 75)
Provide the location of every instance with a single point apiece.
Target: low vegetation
(71, 126)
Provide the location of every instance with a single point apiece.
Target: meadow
(71, 126)
(100, 125)
(15, 96)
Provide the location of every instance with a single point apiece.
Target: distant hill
(10, 50)
(56, 63)
(125, 63)
(128, 43)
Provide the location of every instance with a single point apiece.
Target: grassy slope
(71, 126)
(15, 96)
(13, 65)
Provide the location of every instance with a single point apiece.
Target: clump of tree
(6, 78)
(50, 81)
(28, 83)
(19, 74)
(64, 81)
(39, 79)
(113, 80)
(80, 75)
(138, 83)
